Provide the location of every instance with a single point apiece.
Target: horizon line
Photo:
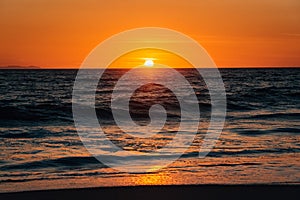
(33, 67)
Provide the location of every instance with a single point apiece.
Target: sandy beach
(164, 192)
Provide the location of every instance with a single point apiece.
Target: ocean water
(41, 149)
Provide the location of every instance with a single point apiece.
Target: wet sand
(164, 192)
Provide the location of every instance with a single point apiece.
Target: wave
(38, 112)
(64, 162)
(268, 131)
(91, 162)
(40, 133)
(10, 180)
(222, 153)
(239, 106)
(280, 115)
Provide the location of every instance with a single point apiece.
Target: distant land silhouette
(19, 67)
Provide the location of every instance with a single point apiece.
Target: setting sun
(151, 58)
(149, 63)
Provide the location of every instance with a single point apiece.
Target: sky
(61, 33)
(139, 58)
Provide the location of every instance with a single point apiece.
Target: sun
(148, 62)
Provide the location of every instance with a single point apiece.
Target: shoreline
(162, 192)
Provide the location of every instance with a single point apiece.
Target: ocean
(41, 149)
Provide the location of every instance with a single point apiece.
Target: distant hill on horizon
(19, 67)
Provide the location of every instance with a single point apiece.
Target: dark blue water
(260, 141)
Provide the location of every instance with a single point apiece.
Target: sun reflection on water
(154, 179)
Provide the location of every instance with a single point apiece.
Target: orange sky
(61, 33)
(138, 57)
